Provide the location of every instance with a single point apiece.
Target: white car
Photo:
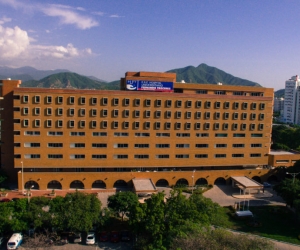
(90, 239)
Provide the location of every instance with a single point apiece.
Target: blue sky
(256, 40)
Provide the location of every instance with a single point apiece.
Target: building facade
(153, 127)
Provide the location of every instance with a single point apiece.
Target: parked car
(77, 238)
(267, 185)
(104, 236)
(125, 236)
(114, 236)
(5, 200)
(90, 239)
(15, 241)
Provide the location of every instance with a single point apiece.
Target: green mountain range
(209, 75)
(279, 93)
(203, 74)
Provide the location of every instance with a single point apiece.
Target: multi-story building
(152, 128)
(278, 105)
(291, 113)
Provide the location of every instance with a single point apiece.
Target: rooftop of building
(282, 152)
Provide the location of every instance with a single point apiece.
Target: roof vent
(219, 83)
(8, 79)
(182, 81)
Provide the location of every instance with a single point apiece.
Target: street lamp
(193, 180)
(293, 174)
(22, 178)
(28, 193)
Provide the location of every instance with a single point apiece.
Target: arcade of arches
(110, 180)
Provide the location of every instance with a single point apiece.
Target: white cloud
(13, 42)
(98, 13)
(68, 16)
(116, 16)
(4, 20)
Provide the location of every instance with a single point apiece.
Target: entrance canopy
(244, 182)
(143, 185)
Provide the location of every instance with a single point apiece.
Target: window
(37, 111)
(104, 101)
(182, 145)
(115, 124)
(225, 126)
(93, 100)
(234, 126)
(136, 125)
(142, 134)
(243, 126)
(197, 125)
(55, 156)
(93, 124)
(216, 126)
(32, 145)
(55, 145)
(255, 155)
(217, 115)
(81, 112)
(77, 145)
(162, 156)
(220, 155)
(253, 116)
(141, 145)
(226, 116)
(126, 102)
(235, 105)
(206, 126)
(99, 133)
(147, 125)
(82, 100)
(59, 123)
(17, 144)
(253, 105)
(121, 134)
(252, 126)
(71, 124)
(182, 156)
(262, 106)
(260, 126)
(207, 115)
(178, 114)
(79, 156)
(207, 104)
(99, 145)
(71, 112)
(238, 93)
(32, 156)
(201, 91)
(187, 126)
(188, 115)
(99, 157)
(49, 111)
(220, 92)
(220, 145)
(238, 145)
(37, 123)
(235, 116)
(261, 116)
(141, 156)
(147, 102)
(178, 103)
(77, 133)
(201, 145)
(256, 145)
(59, 111)
(217, 105)
(198, 104)
(71, 100)
(188, 104)
(25, 98)
(168, 125)
(104, 124)
(168, 114)
(162, 145)
(25, 123)
(157, 125)
(59, 99)
(168, 103)
(37, 99)
(25, 111)
(125, 125)
(147, 113)
(136, 113)
(162, 134)
(137, 102)
(93, 112)
(226, 105)
(201, 156)
(239, 135)
(126, 113)
(157, 103)
(244, 116)
(237, 155)
(120, 156)
(202, 135)
(245, 105)
(115, 113)
(198, 115)
(157, 114)
(177, 125)
(221, 135)
(183, 135)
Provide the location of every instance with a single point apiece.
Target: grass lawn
(276, 222)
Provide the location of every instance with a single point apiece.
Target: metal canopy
(245, 182)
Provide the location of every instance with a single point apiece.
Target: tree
(122, 203)
(3, 176)
(289, 190)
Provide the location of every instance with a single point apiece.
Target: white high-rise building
(291, 113)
